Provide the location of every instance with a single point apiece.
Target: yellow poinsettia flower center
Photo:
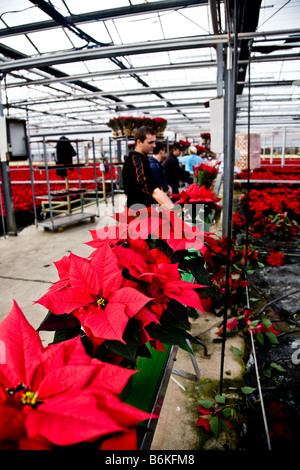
(29, 398)
(24, 395)
(102, 302)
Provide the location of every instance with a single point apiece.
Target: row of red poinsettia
(274, 210)
(22, 192)
(274, 201)
(271, 173)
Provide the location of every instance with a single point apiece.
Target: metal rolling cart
(59, 208)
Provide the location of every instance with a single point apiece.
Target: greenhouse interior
(188, 309)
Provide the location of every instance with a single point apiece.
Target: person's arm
(162, 199)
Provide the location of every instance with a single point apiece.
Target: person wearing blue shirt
(155, 160)
(195, 159)
(190, 160)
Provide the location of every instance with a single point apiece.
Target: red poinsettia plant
(217, 257)
(196, 194)
(198, 203)
(205, 174)
(261, 327)
(214, 415)
(277, 227)
(275, 258)
(184, 144)
(127, 293)
(57, 396)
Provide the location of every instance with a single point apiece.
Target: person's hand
(168, 206)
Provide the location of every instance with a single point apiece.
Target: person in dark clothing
(139, 184)
(173, 170)
(64, 154)
(156, 160)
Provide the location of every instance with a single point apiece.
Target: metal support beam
(132, 49)
(229, 158)
(11, 226)
(115, 72)
(102, 15)
(229, 138)
(101, 52)
(283, 147)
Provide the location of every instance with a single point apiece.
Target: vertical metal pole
(111, 176)
(283, 147)
(6, 182)
(230, 118)
(248, 156)
(48, 183)
(32, 182)
(229, 143)
(31, 168)
(95, 176)
(272, 148)
(220, 64)
(79, 177)
(225, 156)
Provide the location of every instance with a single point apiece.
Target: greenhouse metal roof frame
(145, 76)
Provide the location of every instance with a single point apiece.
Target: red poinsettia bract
(58, 395)
(201, 195)
(275, 259)
(162, 277)
(94, 291)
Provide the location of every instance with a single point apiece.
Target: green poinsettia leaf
(195, 265)
(53, 322)
(271, 337)
(172, 336)
(220, 399)
(254, 323)
(277, 367)
(236, 351)
(267, 373)
(216, 426)
(176, 314)
(226, 413)
(260, 338)
(128, 350)
(248, 390)
(206, 403)
(266, 322)
(65, 334)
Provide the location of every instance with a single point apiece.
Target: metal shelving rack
(60, 210)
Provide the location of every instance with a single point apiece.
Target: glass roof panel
(153, 81)
(189, 22)
(21, 44)
(80, 7)
(278, 14)
(19, 12)
(138, 29)
(46, 43)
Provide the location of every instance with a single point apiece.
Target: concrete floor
(26, 273)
